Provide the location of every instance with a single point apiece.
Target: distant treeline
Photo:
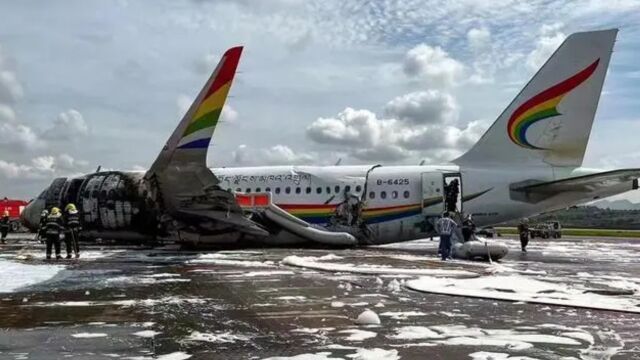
(590, 217)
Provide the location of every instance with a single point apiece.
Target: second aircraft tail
(550, 120)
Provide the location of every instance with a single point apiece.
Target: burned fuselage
(114, 205)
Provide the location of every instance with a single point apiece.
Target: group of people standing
(54, 223)
(446, 226)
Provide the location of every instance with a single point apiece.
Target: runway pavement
(126, 302)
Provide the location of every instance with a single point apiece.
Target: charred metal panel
(54, 192)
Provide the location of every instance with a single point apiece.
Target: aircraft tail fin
(550, 120)
(189, 142)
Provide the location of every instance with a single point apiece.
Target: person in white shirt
(445, 227)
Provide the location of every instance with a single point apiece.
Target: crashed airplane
(529, 161)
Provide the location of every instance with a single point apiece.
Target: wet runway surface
(130, 303)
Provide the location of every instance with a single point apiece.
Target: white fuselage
(398, 199)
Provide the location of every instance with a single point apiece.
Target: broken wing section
(593, 185)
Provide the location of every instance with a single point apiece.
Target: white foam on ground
(84, 255)
(146, 280)
(317, 356)
(292, 298)
(375, 354)
(15, 275)
(230, 259)
(316, 263)
(402, 315)
(147, 333)
(484, 355)
(368, 317)
(220, 337)
(473, 336)
(170, 300)
(527, 289)
(263, 273)
(415, 332)
(179, 355)
(89, 335)
(358, 335)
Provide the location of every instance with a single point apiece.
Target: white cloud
(423, 107)
(275, 155)
(433, 65)
(364, 136)
(229, 114)
(10, 88)
(206, 64)
(17, 137)
(67, 126)
(43, 167)
(545, 46)
(479, 39)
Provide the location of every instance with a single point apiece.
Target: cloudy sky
(88, 83)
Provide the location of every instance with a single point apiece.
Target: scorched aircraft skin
(529, 161)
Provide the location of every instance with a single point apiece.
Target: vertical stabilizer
(189, 142)
(550, 120)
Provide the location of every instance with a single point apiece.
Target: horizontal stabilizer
(597, 184)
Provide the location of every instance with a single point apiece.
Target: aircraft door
(452, 192)
(432, 194)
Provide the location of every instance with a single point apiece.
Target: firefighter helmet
(70, 207)
(55, 211)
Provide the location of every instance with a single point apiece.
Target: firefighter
(53, 228)
(468, 228)
(4, 226)
(523, 230)
(446, 226)
(72, 230)
(42, 228)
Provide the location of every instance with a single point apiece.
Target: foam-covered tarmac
(122, 302)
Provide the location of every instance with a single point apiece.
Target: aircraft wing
(588, 184)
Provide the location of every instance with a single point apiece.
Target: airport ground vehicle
(14, 207)
(488, 231)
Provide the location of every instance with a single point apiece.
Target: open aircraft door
(432, 194)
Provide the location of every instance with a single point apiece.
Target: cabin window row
(307, 190)
(393, 194)
(320, 190)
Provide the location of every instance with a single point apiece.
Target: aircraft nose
(30, 216)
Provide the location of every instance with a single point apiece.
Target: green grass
(583, 232)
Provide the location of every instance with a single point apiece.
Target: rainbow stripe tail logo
(543, 106)
(198, 133)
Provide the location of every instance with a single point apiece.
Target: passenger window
(337, 189)
(372, 195)
(406, 194)
(258, 189)
(383, 195)
(358, 188)
(318, 190)
(328, 189)
(298, 190)
(267, 189)
(287, 190)
(394, 194)
(248, 190)
(347, 188)
(308, 190)
(277, 190)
